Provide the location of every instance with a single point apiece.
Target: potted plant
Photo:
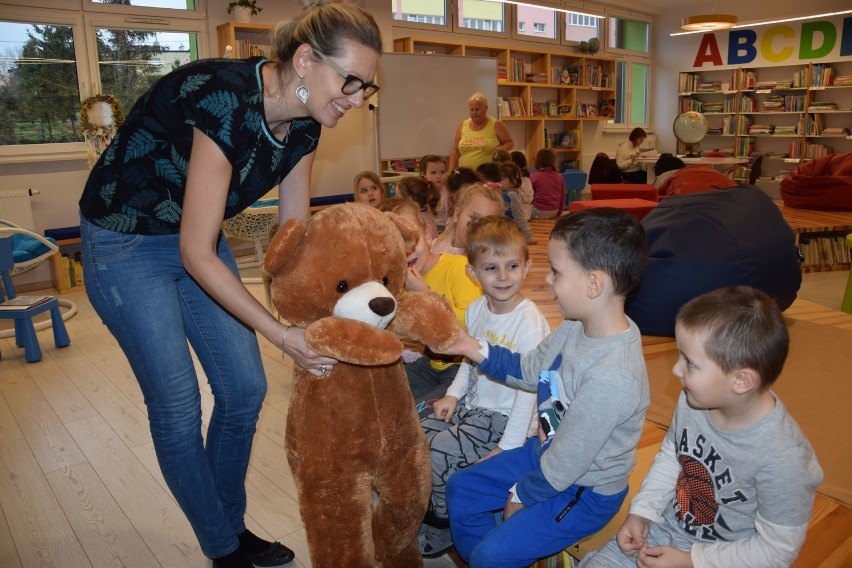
(243, 10)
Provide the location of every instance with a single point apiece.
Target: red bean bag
(824, 183)
(695, 179)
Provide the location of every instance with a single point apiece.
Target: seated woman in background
(369, 189)
(627, 155)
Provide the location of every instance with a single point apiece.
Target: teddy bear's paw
(352, 341)
(428, 318)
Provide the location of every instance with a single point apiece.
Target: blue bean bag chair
(703, 241)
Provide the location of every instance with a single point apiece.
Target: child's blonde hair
(495, 234)
(468, 192)
(373, 177)
(403, 206)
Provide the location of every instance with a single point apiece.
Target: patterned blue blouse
(138, 184)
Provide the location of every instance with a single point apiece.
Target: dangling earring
(302, 92)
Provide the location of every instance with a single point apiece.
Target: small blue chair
(575, 181)
(25, 335)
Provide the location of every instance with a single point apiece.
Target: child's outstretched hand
(445, 407)
(467, 346)
(631, 536)
(663, 557)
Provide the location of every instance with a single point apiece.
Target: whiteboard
(423, 99)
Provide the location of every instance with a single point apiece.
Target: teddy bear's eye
(342, 286)
(385, 280)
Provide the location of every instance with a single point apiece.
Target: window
(582, 27)
(429, 13)
(542, 22)
(632, 93)
(629, 35)
(481, 15)
(171, 4)
(630, 38)
(521, 27)
(45, 72)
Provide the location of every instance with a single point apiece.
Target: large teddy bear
(354, 441)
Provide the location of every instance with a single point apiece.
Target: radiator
(15, 207)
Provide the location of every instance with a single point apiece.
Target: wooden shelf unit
(242, 37)
(783, 99)
(57, 269)
(595, 81)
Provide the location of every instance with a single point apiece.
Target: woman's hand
(294, 345)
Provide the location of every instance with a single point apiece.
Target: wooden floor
(79, 484)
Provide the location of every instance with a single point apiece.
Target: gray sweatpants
(469, 435)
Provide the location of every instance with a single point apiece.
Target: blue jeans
(138, 286)
(475, 493)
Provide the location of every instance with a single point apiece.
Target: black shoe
(276, 555)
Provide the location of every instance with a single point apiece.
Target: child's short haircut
(431, 159)
(511, 172)
(470, 191)
(501, 156)
(495, 234)
(403, 206)
(490, 171)
(545, 158)
(742, 328)
(607, 239)
(425, 193)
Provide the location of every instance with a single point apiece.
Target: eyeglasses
(351, 83)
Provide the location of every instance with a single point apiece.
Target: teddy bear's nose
(382, 306)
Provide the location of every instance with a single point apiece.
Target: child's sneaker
(434, 542)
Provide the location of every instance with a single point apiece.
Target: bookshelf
(547, 96)
(65, 267)
(786, 113)
(247, 39)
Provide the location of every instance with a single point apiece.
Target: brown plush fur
(354, 442)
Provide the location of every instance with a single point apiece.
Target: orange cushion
(638, 207)
(624, 191)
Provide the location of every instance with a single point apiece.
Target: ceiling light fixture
(708, 22)
(778, 21)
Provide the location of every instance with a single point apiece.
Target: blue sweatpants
(476, 492)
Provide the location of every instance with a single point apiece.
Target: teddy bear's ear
(282, 245)
(409, 231)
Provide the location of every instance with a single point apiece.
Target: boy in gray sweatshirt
(592, 386)
(735, 479)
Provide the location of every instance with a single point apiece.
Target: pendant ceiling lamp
(708, 22)
(711, 22)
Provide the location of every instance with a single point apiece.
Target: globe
(690, 127)
(594, 45)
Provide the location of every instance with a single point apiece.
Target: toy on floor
(354, 442)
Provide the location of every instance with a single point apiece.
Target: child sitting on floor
(592, 387)
(479, 417)
(475, 200)
(434, 169)
(735, 479)
(510, 182)
(427, 196)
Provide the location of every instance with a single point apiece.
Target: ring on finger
(323, 369)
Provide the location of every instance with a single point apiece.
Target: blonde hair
(325, 25)
(495, 234)
(403, 206)
(468, 192)
(373, 177)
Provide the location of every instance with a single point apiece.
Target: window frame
(629, 124)
(628, 52)
(449, 11)
(512, 14)
(508, 22)
(83, 24)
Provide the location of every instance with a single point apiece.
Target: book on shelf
(24, 302)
